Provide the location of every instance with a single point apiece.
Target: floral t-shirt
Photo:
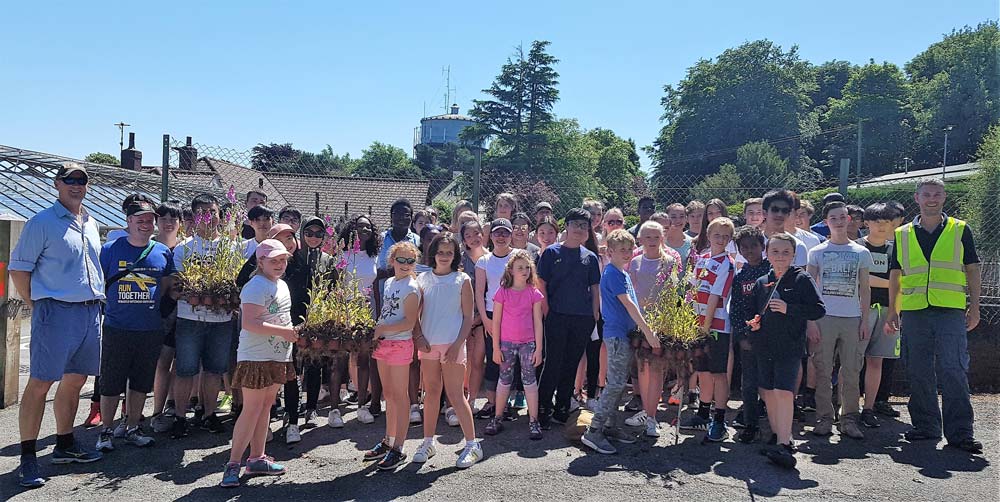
(277, 303)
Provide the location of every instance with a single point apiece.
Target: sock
(392, 442)
(703, 409)
(429, 440)
(64, 441)
(720, 415)
(28, 449)
(470, 442)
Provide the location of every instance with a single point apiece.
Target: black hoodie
(785, 334)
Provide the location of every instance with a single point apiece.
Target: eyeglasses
(615, 222)
(290, 219)
(780, 209)
(311, 233)
(405, 261)
(523, 228)
(75, 181)
(579, 225)
(500, 233)
(262, 219)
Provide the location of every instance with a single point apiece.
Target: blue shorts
(65, 338)
(202, 345)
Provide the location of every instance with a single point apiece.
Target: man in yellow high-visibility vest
(935, 281)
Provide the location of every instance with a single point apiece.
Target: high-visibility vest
(939, 283)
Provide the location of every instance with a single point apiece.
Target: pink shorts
(395, 352)
(437, 353)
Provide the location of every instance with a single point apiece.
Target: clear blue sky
(347, 73)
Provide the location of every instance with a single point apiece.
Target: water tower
(439, 130)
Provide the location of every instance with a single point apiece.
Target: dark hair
(898, 207)
(832, 197)
(468, 224)
(425, 237)
(374, 243)
(401, 203)
(644, 199)
(831, 206)
(549, 220)
(418, 214)
(187, 214)
(436, 243)
(169, 209)
(290, 210)
(205, 199)
(856, 212)
(748, 233)
(780, 195)
(134, 198)
(701, 242)
(521, 216)
(258, 192)
(258, 211)
(578, 213)
(880, 211)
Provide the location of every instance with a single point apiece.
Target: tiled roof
(245, 179)
(361, 195)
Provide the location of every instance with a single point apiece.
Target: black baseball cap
(140, 207)
(499, 223)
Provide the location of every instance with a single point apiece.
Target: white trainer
(292, 434)
(451, 417)
(637, 420)
(470, 455)
(365, 415)
(424, 452)
(652, 427)
(335, 420)
(415, 416)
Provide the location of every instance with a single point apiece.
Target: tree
(617, 167)
(275, 157)
(380, 160)
(955, 83)
(754, 92)
(981, 205)
(520, 108)
(725, 185)
(103, 158)
(876, 96)
(831, 77)
(439, 163)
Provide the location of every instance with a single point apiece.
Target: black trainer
(487, 412)
(885, 409)
(391, 460)
(560, 416)
(378, 451)
(748, 435)
(179, 429)
(213, 424)
(782, 456)
(868, 419)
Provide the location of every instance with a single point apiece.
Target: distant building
(439, 130)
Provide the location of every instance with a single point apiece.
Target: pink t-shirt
(518, 322)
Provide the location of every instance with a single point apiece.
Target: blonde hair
(507, 281)
(404, 246)
(650, 223)
(619, 237)
(723, 222)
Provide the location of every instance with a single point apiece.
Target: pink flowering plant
(671, 314)
(209, 278)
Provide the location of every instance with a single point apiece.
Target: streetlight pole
(944, 160)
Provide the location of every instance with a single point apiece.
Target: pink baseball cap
(277, 229)
(271, 248)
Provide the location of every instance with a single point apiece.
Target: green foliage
(444, 209)
(102, 158)
(982, 203)
(722, 185)
(438, 163)
(380, 160)
(900, 192)
(757, 169)
(284, 158)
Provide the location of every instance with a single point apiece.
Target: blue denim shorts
(202, 345)
(65, 338)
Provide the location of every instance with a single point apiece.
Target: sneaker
(292, 434)
(28, 473)
(823, 428)
(634, 404)
(415, 416)
(213, 424)
(748, 435)
(486, 412)
(717, 431)
(324, 394)
(782, 456)
(309, 418)
(471, 454)
(619, 435)
(75, 455)
(798, 414)
(424, 452)
(652, 428)
(693, 396)
(520, 402)
(595, 440)
(364, 415)
(509, 415)
(695, 423)
(738, 421)
(451, 417)
(969, 445)
(592, 404)
(104, 441)
(637, 420)
(94, 418)
(494, 427)
(534, 430)
(231, 476)
(885, 409)
(120, 429)
(675, 397)
(378, 451)
(333, 419)
(809, 402)
(163, 422)
(225, 405)
(392, 459)
(849, 427)
(135, 437)
(868, 419)
(179, 429)
(919, 435)
(352, 397)
(560, 417)
(264, 466)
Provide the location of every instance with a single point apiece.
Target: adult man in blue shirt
(55, 269)
(135, 267)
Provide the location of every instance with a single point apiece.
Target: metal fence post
(476, 178)
(165, 170)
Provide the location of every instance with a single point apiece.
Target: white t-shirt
(396, 292)
(441, 317)
(249, 247)
(494, 267)
(808, 238)
(360, 266)
(840, 266)
(197, 246)
(277, 303)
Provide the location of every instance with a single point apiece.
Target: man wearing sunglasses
(56, 270)
(778, 206)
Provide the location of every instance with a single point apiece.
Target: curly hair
(347, 233)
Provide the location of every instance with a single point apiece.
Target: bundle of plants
(338, 318)
(209, 279)
(672, 318)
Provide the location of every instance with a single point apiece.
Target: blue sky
(314, 73)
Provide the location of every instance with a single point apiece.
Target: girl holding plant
(360, 244)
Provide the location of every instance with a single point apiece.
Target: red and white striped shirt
(714, 276)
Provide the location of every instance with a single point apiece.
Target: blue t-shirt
(821, 229)
(568, 274)
(388, 241)
(133, 301)
(617, 322)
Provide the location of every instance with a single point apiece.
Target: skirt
(262, 374)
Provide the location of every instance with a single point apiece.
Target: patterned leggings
(520, 353)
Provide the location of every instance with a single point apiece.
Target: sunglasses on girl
(312, 233)
(405, 261)
(615, 222)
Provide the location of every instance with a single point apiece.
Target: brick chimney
(187, 156)
(131, 158)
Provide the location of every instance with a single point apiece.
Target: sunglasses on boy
(780, 209)
(405, 261)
